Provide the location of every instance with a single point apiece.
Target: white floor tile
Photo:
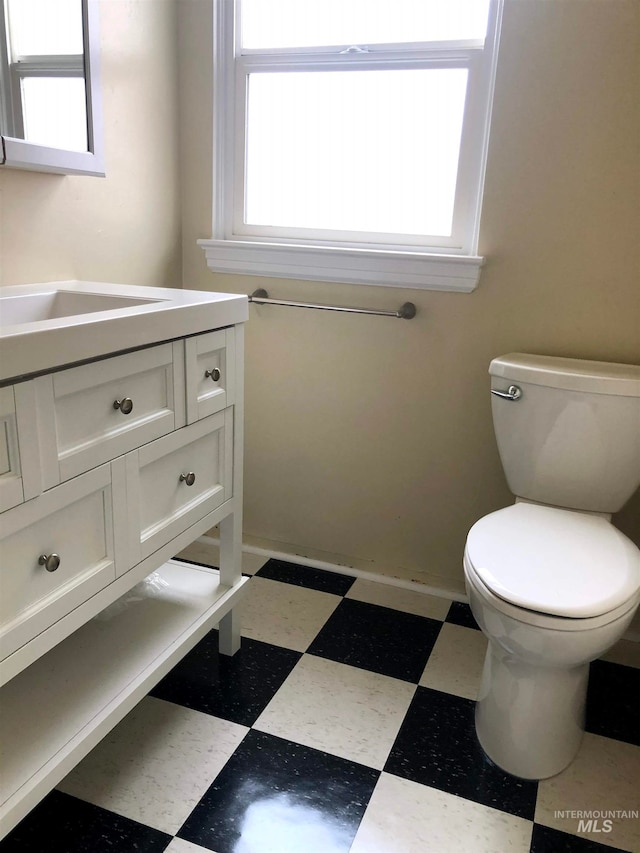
(209, 554)
(200, 553)
(284, 614)
(156, 764)
(179, 845)
(251, 563)
(339, 709)
(603, 777)
(456, 662)
(418, 603)
(405, 817)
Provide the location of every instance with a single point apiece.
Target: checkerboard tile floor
(345, 723)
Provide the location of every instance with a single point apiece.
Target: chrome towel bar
(405, 312)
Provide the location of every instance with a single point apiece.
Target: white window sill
(353, 266)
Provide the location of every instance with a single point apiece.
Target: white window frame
(287, 253)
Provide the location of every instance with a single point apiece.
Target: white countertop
(166, 313)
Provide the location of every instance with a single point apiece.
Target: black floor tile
(612, 701)
(437, 746)
(460, 614)
(278, 570)
(376, 638)
(235, 688)
(272, 788)
(546, 840)
(64, 824)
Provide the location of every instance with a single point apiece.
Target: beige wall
(369, 440)
(125, 227)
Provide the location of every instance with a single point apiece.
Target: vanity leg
(229, 629)
(231, 526)
(230, 573)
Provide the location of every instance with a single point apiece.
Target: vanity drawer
(74, 522)
(101, 410)
(19, 473)
(11, 493)
(175, 481)
(210, 371)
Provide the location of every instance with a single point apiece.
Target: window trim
(448, 267)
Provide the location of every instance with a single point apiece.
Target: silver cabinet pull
(213, 374)
(125, 405)
(512, 393)
(189, 478)
(49, 561)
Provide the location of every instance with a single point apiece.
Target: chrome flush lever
(512, 393)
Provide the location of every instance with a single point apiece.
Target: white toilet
(552, 583)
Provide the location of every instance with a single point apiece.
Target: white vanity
(120, 443)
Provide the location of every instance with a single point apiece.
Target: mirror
(50, 101)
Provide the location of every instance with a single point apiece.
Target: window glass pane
(45, 27)
(307, 23)
(373, 151)
(55, 112)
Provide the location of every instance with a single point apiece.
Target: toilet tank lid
(554, 561)
(572, 374)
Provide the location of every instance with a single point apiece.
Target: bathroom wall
(124, 227)
(369, 440)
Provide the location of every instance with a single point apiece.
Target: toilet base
(530, 719)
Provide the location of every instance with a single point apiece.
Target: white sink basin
(55, 304)
(45, 326)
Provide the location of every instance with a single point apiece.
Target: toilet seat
(536, 619)
(554, 562)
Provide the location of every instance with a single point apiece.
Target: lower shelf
(59, 708)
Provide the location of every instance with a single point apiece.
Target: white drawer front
(159, 481)
(11, 493)
(210, 369)
(73, 521)
(104, 409)
(20, 473)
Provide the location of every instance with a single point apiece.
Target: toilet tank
(572, 436)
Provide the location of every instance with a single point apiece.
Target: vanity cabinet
(107, 470)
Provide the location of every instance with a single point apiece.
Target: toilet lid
(554, 561)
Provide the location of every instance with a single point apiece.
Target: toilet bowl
(553, 584)
(531, 704)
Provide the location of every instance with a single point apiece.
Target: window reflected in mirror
(49, 101)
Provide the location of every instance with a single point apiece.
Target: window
(350, 138)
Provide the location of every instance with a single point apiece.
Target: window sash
(22, 67)
(396, 60)
(233, 67)
(348, 10)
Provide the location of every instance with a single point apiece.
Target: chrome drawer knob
(213, 374)
(125, 405)
(49, 561)
(189, 478)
